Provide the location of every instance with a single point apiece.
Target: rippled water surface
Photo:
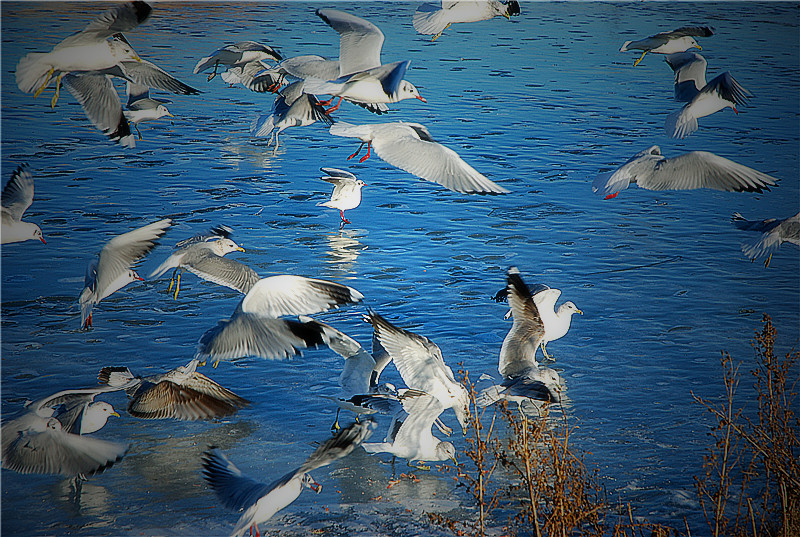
(539, 105)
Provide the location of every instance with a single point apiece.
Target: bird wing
(334, 173)
(101, 104)
(690, 74)
(17, 195)
(701, 169)
(120, 18)
(221, 270)
(518, 352)
(727, 88)
(233, 488)
(152, 76)
(339, 446)
(694, 31)
(422, 409)
(123, 251)
(360, 41)
(217, 232)
(407, 147)
(295, 295)
(197, 397)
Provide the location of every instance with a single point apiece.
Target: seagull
(421, 365)
(141, 107)
(292, 108)
(113, 269)
(362, 76)
(259, 501)
(435, 19)
(203, 255)
(414, 440)
(236, 55)
(774, 232)
(556, 322)
(47, 437)
(17, 196)
(346, 191)
(410, 147)
(679, 40)
(257, 76)
(523, 377)
(701, 99)
(689, 171)
(257, 329)
(181, 393)
(87, 50)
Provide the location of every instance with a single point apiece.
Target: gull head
(446, 450)
(686, 42)
(133, 276)
(162, 111)
(95, 416)
(308, 482)
(122, 51)
(226, 246)
(568, 308)
(407, 90)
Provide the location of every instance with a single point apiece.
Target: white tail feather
(32, 72)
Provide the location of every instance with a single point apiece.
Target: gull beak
(139, 278)
(421, 98)
(316, 487)
(454, 460)
(699, 47)
(579, 311)
(240, 249)
(170, 115)
(42, 239)
(137, 58)
(507, 16)
(735, 110)
(114, 413)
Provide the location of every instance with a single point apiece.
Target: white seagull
(421, 365)
(182, 394)
(257, 329)
(414, 440)
(679, 40)
(46, 438)
(260, 501)
(202, 255)
(696, 169)
(17, 196)
(410, 147)
(346, 191)
(701, 99)
(362, 76)
(237, 55)
(436, 18)
(113, 269)
(774, 232)
(292, 108)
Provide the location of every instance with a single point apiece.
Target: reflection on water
(344, 248)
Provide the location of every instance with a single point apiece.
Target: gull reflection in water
(344, 249)
(83, 499)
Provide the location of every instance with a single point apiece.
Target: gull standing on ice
(182, 394)
(346, 191)
(257, 329)
(202, 255)
(414, 440)
(17, 196)
(774, 232)
(113, 269)
(436, 18)
(292, 108)
(679, 40)
(259, 501)
(47, 437)
(421, 365)
(362, 76)
(689, 171)
(523, 377)
(722, 92)
(410, 147)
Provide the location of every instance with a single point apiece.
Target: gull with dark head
(774, 232)
(679, 40)
(257, 328)
(702, 99)
(47, 437)
(436, 18)
(113, 269)
(689, 171)
(17, 196)
(182, 394)
(346, 191)
(410, 147)
(260, 501)
(202, 255)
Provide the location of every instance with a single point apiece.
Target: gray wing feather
(701, 169)
(17, 195)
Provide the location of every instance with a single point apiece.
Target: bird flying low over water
(260, 501)
(696, 169)
(702, 99)
(238, 55)
(346, 191)
(774, 232)
(410, 147)
(436, 18)
(679, 40)
(113, 269)
(17, 196)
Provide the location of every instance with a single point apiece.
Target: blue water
(539, 105)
